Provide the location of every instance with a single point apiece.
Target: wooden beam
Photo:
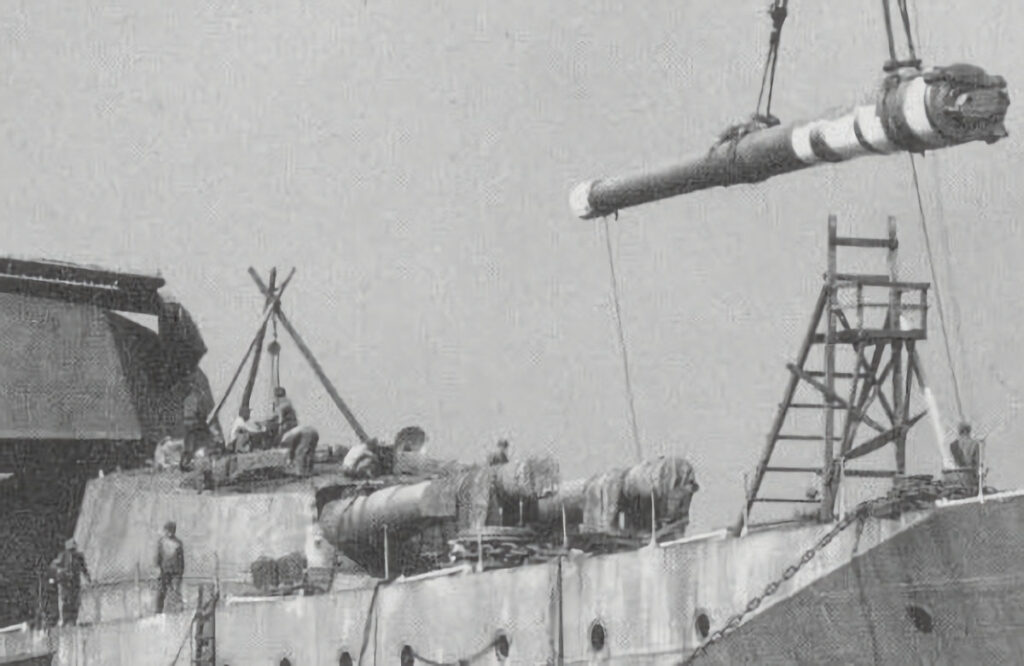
(831, 395)
(267, 312)
(849, 241)
(881, 440)
(308, 355)
(250, 382)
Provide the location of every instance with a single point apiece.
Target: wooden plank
(880, 281)
(866, 334)
(837, 375)
(809, 470)
(871, 473)
(806, 405)
(785, 499)
(849, 241)
(805, 438)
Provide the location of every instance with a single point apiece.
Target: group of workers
(68, 570)
(281, 431)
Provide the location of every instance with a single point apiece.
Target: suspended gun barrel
(915, 111)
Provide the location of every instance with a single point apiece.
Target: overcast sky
(413, 162)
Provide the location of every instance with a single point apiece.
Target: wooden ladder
(204, 638)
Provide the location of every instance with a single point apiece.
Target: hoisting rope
(778, 13)
(622, 342)
(732, 134)
(916, 63)
(938, 293)
(894, 63)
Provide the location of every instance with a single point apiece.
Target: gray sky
(413, 161)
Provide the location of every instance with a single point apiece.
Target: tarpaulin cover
(670, 480)
(602, 498)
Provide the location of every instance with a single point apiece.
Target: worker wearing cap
(68, 570)
(170, 560)
(500, 454)
(967, 455)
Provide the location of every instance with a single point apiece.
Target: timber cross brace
(272, 312)
(870, 325)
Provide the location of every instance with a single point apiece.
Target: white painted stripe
(800, 140)
(841, 137)
(707, 536)
(871, 129)
(916, 115)
(994, 497)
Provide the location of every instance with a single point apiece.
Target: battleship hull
(942, 585)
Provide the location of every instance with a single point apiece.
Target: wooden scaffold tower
(874, 322)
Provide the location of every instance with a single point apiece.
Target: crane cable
(915, 62)
(622, 342)
(938, 294)
(778, 13)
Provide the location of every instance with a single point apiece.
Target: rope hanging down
(622, 342)
(915, 62)
(938, 293)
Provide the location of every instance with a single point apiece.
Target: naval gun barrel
(914, 112)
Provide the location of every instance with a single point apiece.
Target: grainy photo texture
(374, 332)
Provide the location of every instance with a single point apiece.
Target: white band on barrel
(870, 127)
(800, 140)
(916, 115)
(840, 135)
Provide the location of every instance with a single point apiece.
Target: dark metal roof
(128, 292)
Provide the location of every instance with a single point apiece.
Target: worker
(301, 443)
(362, 461)
(68, 570)
(242, 430)
(170, 560)
(967, 455)
(500, 454)
(284, 414)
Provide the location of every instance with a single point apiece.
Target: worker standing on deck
(500, 454)
(170, 560)
(68, 570)
(284, 414)
(301, 441)
(967, 455)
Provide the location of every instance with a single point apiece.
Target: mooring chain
(734, 622)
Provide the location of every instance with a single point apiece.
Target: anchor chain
(919, 492)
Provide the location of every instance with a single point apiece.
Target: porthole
(702, 623)
(407, 658)
(597, 636)
(501, 646)
(345, 659)
(921, 619)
